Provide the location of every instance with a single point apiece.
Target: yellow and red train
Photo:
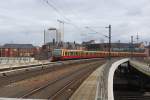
(65, 54)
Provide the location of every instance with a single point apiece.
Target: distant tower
(137, 38)
(54, 35)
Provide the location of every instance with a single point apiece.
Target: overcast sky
(23, 21)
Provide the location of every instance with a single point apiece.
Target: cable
(52, 4)
(96, 32)
(57, 10)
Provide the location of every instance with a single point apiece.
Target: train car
(64, 54)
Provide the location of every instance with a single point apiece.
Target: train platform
(141, 66)
(87, 90)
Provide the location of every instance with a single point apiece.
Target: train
(66, 54)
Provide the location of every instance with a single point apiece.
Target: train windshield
(57, 52)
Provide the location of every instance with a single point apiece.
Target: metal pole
(131, 46)
(119, 44)
(63, 33)
(109, 42)
(149, 49)
(59, 32)
(137, 38)
(44, 37)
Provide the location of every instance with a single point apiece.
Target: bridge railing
(102, 86)
(105, 80)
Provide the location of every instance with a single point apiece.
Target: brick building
(17, 50)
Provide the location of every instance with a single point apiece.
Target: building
(119, 47)
(147, 50)
(63, 45)
(17, 50)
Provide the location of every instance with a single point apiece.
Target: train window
(78, 53)
(88, 53)
(66, 54)
(75, 53)
(71, 53)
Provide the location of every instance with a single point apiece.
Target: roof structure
(18, 46)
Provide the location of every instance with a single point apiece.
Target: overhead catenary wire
(66, 20)
(50, 4)
(96, 32)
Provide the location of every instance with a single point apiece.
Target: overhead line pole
(137, 37)
(44, 37)
(109, 44)
(131, 46)
(109, 37)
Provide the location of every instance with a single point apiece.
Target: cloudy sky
(23, 21)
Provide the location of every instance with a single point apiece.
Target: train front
(56, 55)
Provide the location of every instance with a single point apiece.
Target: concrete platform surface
(4, 66)
(87, 90)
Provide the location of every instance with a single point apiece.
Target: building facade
(119, 47)
(17, 50)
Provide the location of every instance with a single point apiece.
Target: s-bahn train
(65, 54)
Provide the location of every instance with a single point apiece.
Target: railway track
(52, 81)
(9, 77)
(69, 88)
(73, 79)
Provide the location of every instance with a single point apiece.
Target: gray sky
(23, 21)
